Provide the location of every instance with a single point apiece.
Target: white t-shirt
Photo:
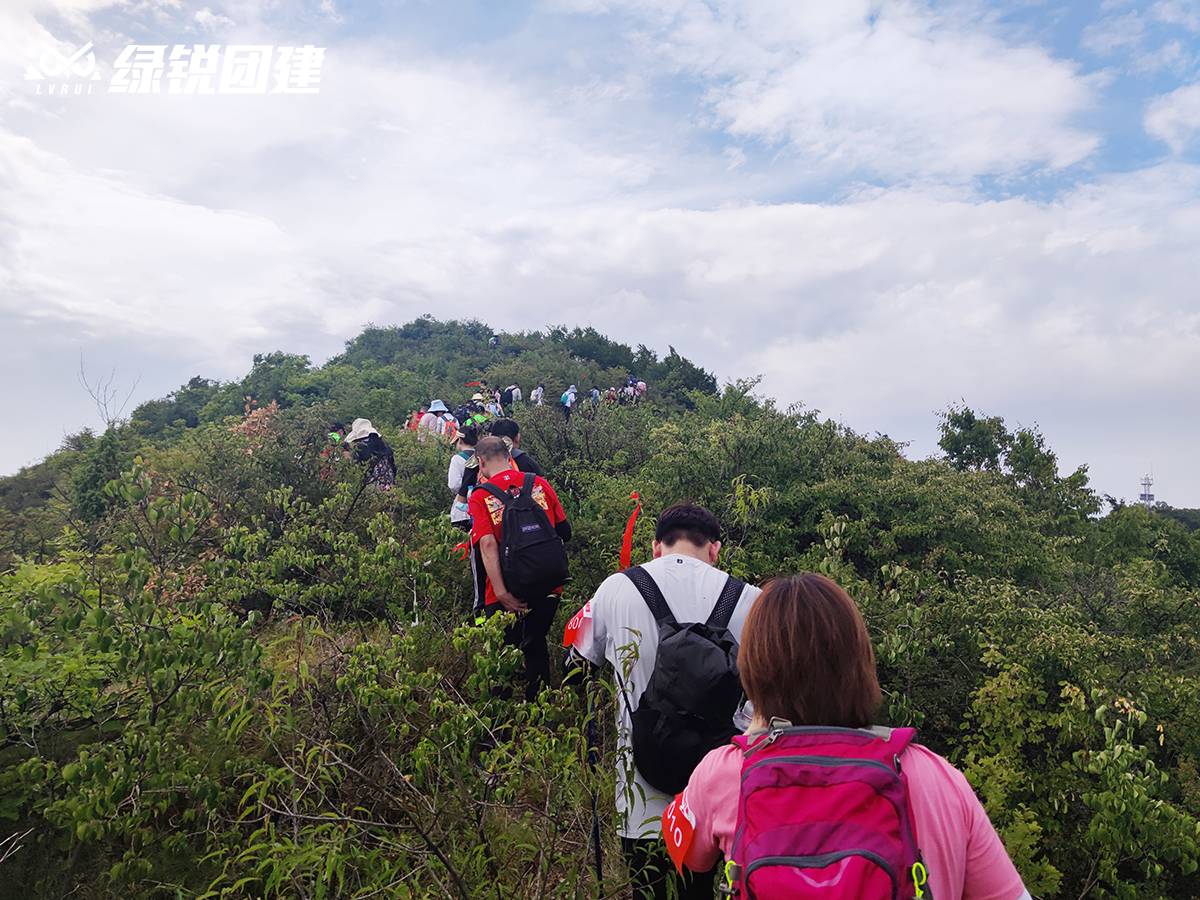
(454, 478)
(620, 617)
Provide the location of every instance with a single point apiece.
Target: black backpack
(687, 708)
(462, 413)
(533, 559)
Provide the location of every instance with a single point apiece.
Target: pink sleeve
(963, 854)
(712, 796)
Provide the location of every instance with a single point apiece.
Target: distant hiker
(494, 341)
(430, 420)
(494, 408)
(516, 393)
(507, 396)
(336, 447)
(478, 415)
(538, 394)
(595, 396)
(822, 784)
(510, 431)
(464, 444)
(446, 425)
(519, 527)
(370, 449)
(414, 421)
(568, 401)
(642, 606)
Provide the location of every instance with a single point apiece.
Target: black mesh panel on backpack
(533, 559)
(687, 708)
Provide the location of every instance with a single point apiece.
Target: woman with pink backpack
(812, 801)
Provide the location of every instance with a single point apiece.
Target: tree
(972, 443)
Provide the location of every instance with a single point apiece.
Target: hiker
(464, 444)
(806, 661)
(538, 395)
(368, 447)
(430, 419)
(687, 540)
(509, 395)
(414, 421)
(478, 413)
(595, 396)
(444, 423)
(533, 586)
(510, 431)
(337, 442)
(568, 401)
(517, 397)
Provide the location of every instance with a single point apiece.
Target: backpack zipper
(829, 761)
(820, 862)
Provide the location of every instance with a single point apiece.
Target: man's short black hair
(694, 524)
(506, 428)
(337, 426)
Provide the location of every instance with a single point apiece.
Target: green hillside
(228, 668)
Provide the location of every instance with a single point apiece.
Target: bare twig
(12, 844)
(104, 394)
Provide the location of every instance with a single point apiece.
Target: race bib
(679, 824)
(575, 624)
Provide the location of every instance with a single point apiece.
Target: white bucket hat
(360, 429)
(438, 406)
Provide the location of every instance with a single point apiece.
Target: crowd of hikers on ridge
(749, 758)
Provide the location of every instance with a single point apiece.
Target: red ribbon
(465, 548)
(627, 544)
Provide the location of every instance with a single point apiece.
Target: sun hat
(477, 397)
(438, 406)
(360, 429)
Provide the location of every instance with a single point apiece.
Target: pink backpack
(824, 813)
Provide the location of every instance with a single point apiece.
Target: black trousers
(528, 634)
(651, 870)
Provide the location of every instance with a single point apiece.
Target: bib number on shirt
(679, 824)
(576, 623)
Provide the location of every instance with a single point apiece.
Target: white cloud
(895, 90)
(206, 18)
(330, 9)
(1174, 118)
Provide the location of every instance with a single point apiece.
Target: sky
(881, 208)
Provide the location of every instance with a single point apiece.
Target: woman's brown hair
(806, 657)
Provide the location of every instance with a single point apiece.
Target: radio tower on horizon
(1146, 498)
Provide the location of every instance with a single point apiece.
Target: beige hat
(360, 429)
(477, 397)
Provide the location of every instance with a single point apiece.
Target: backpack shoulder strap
(651, 593)
(527, 485)
(503, 496)
(726, 603)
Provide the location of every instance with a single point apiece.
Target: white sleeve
(454, 479)
(591, 640)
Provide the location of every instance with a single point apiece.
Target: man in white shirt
(617, 626)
